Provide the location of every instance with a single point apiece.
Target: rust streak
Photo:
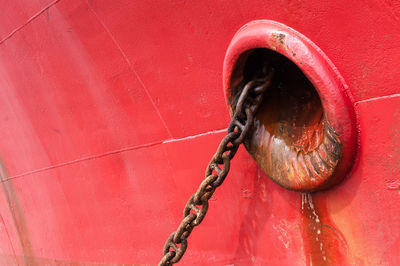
(18, 218)
(8, 235)
(324, 244)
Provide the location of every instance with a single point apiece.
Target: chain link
(196, 208)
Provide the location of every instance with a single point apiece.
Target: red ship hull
(112, 109)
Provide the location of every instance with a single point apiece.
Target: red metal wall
(110, 111)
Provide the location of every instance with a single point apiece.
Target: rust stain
(18, 217)
(279, 40)
(323, 242)
(280, 37)
(294, 144)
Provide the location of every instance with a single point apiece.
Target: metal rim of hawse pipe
(196, 208)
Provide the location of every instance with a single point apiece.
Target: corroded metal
(247, 104)
(305, 136)
(291, 138)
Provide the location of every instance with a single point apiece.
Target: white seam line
(195, 136)
(379, 98)
(32, 18)
(93, 157)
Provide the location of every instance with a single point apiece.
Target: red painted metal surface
(110, 110)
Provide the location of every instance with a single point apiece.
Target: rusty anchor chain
(196, 208)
